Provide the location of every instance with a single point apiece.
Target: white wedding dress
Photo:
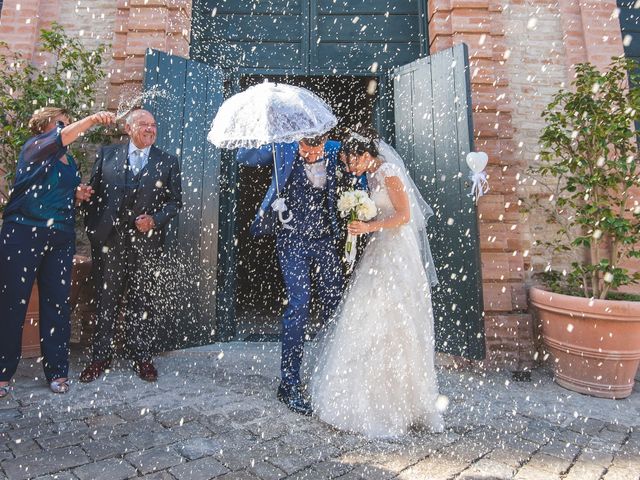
(374, 369)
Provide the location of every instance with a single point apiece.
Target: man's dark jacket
(159, 192)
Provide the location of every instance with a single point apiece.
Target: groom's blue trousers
(298, 258)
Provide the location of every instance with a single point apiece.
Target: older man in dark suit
(137, 192)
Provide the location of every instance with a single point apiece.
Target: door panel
(191, 93)
(351, 36)
(433, 134)
(406, 7)
(252, 35)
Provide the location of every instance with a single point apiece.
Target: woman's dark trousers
(28, 254)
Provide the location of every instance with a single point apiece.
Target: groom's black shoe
(292, 397)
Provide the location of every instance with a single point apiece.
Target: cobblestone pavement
(213, 414)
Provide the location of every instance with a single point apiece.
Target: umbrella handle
(284, 220)
(281, 210)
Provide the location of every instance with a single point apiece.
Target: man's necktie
(136, 159)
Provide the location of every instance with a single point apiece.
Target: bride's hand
(358, 228)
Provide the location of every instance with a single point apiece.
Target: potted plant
(68, 79)
(589, 151)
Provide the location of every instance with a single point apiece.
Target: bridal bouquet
(356, 205)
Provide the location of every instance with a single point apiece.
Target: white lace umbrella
(270, 113)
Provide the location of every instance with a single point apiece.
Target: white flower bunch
(366, 210)
(357, 205)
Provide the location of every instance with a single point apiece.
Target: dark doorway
(260, 296)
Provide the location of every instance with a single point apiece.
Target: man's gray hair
(133, 113)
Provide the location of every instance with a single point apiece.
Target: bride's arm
(399, 200)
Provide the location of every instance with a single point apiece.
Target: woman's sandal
(59, 386)
(4, 391)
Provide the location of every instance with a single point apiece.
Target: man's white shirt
(316, 173)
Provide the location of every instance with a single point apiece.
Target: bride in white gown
(374, 372)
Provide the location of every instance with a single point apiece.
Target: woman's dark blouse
(44, 189)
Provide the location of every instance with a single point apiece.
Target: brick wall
(536, 68)
(19, 25)
(141, 24)
(482, 25)
(93, 21)
(130, 26)
(90, 20)
(521, 52)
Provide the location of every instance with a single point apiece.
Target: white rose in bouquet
(361, 196)
(346, 203)
(366, 210)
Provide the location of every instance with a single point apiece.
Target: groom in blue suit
(307, 178)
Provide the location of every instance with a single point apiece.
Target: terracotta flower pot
(31, 331)
(594, 344)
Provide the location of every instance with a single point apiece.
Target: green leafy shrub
(67, 80)
(590, 151)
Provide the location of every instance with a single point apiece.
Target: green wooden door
(251, 35)
(308, 37)
(190, 94)
(629, 17)
(433, 133)
(354, 36)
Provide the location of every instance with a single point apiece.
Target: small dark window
(630, 27)
(1, 7)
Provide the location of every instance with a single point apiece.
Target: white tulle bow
(480, 185)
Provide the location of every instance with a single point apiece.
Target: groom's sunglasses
(307, 151)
